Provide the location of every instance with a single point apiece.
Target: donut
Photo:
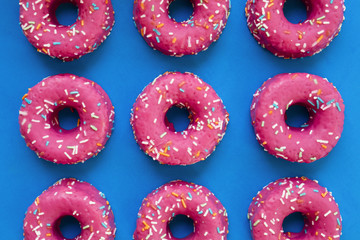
(41, 27)
(157, 138)
(189, 37)
(274, 32)
(314, 139)
(181, 198)
(285, 196)
(39, 123)
(70, 197)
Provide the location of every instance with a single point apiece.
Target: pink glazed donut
(42, 29)
(157, 138)
(70, 197)
(274, 32)
(40, 127)
(181, 198)
(289, 195)
(189, 37)
(311, 141)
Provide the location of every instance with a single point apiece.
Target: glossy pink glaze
(313, 140)
(42, 29)
(179, 197)
(274, 32)
(289, 195)
(158, 139)
(70, 197)
(39, 123)
(189, 37)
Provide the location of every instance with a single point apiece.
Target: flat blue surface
(235, 66)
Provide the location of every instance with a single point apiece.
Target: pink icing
(157, 138)
(179, 197)
(314, 139)
(274, 32)
(39, 123)
(70, 197)
(181, 38)
(289, 195)
(40, 26)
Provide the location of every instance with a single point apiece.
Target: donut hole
(297, 116)
(177, 118)
(66, 13)
(181, 226)
(69, 227)
(68, 118)
(181, 10)
(295, 11)
(293, 223)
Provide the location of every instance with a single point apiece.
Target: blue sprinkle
(47, 143)
(107, 28)
(158, 207)
(200, 212)
(35, 212)
(157, 39)
(28, 101)
(311, 103)
(72, 26)
(213, 109)
(330, 102)
(23, 105)
(104, 225)
(218, 229)
(315, 190)
(338, 106)
(181, 90)
(216, 26)
(102, 207)
(98, 104)
(77, 47)
(211, 212)
(56, 43)
(189, 194)
(74, 92)
(322, 101)
(43, 116)
(156, 31)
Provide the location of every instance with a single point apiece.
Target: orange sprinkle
(142, 5)
(289, 136)
(48, 234)
(174, 40)
(268, 15)
(82, 22)
(24, 96)
(211, 16)
(37, 201)
(164, 154)
(264, 143)
(175, 194)
(319, 39)
(209, 126)
(146, 225)
(99, 144)
(319, 92)
(183, 203)
(38, 26)
(270, 112)
(324, 194)
(182, 84)
(142, 32)
(324, 146)
(160, 25)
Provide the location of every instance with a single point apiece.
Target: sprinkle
(93, 127)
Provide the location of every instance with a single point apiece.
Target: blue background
(235, 66)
